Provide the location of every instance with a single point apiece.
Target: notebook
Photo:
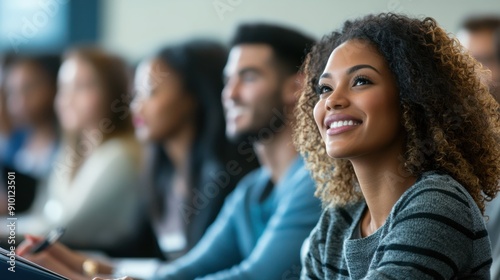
(15, 267)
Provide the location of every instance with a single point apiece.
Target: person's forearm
(75, 261)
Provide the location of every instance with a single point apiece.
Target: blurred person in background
(264, 221)
(5, 129)
(93, 190)
(30, 86)
(481, 36)
(5, 122)
(177, 111)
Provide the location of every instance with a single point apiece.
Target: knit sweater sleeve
(435, 232)
(312, 264)
(324, 257)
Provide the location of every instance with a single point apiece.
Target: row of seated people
(90, 158)
(362, 120)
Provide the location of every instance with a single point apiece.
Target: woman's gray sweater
(434, 231)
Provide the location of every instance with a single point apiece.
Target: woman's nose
(337, 100)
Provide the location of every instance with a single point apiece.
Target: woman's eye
(320, 89)
(361, 81)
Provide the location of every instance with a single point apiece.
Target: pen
(52, 237)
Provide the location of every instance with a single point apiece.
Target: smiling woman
(402, 138)
(358, 110)
(178, 113)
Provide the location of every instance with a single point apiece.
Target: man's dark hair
(476, 23)
(289, 46)
(482, 23)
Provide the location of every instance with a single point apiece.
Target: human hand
(56, 251)
(58, 258)
(45, 260)
(30, 241)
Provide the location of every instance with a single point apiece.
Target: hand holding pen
(53, 255)
(51, 238)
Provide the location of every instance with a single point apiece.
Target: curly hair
(451, 122)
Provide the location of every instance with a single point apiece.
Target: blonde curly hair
(451, 122)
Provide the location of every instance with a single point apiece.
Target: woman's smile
(339, 123)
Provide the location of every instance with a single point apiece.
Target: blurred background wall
(134, 28)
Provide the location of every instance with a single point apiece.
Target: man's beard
(274, 124)
(261, 134)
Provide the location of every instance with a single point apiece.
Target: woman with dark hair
(177, 109)
(5, 122)
(401, 136)
(93, 189)
(29, 131)
(30, 89)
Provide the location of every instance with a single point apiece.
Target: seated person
(5, 121)
(191, 166)
(5, 129)
(30, 88)
(32, 141)
(482, 39)
(401, 137)
(96, 174)
(263, 223)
